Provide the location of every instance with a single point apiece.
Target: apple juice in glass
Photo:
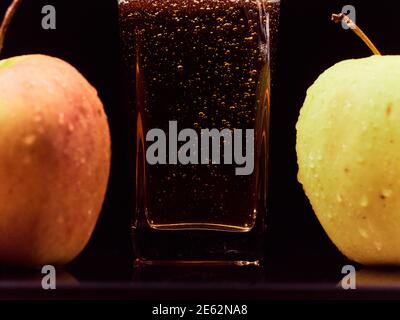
(199, 86)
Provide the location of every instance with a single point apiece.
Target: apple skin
(348, 148)
(54, 161)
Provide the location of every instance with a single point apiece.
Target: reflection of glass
(206, 65)
(198, 274)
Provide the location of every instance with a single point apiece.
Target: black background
(87, 37)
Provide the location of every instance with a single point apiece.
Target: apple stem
(7, 20)
(341, 17)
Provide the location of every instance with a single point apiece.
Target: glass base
(188, 247)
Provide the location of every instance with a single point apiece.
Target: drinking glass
(198, 83)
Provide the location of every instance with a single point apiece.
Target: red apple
(54, 160)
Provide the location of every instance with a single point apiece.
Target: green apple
(54, 160)
(348, 148)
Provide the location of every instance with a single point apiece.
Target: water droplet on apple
(364, 202)
(363, 233)
(61, 118)
(29, 139)
(387, 193)
(378, 245)
(60, 219)
(27, 160)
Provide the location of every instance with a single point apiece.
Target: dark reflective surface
(285, 282)
(105, 276)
